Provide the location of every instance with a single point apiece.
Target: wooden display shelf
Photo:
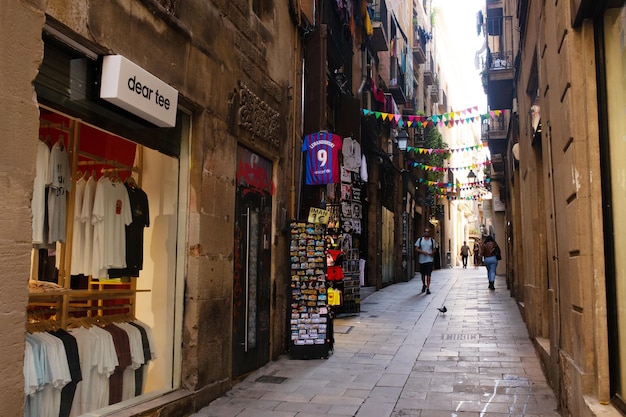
(82, 295)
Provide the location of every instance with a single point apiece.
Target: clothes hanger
(130, 180)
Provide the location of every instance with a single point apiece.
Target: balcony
(499, 66)
(429, 72)
(420, 39)
(434, 92)
(397, 83)
(495, 131)
(379, 40)
(498, 126)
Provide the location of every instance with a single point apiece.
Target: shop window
(104, 260)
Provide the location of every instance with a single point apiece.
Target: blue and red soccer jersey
(322, 158)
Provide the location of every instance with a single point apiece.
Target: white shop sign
(134, 89)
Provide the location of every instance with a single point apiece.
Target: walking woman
(491, 255)
(476, 253)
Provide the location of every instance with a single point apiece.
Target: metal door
(252, 263)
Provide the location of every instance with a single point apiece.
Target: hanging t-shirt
(73, 362)
(39, 193)
(87, 343)
(322, 158)
(78, 231)
(134, 233)
(107, 361)
(137, 358)
(122, 349)
(139, 380)
(111, 213)
(85, 219)
(59, 185)
(351, 154)
(364, 175)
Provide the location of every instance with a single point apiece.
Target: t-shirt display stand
(310, 323)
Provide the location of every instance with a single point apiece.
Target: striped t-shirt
(322, 157)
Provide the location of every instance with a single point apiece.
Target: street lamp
(471, 176)
(403, 138)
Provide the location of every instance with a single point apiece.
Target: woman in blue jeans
(488, 250)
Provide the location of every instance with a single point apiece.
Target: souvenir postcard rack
(310, 323)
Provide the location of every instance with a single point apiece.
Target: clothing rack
(99, 308)
(99, 320)
(66, 302)
(55, 126)
(96, 160)
(43, 326)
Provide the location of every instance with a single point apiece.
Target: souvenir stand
(310, 323)
(346, 226)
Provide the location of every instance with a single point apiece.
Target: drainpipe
(294, 131)
(363, 72)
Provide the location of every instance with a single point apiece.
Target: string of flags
(441, 193)
(445, 152)
(449, 119)
(458, 185)
(444, 169)
(475, 197)
(444, 119)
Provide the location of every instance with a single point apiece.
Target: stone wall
(22, 51)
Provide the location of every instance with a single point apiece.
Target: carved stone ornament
(257, 117)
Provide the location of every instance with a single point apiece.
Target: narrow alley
(402, 357)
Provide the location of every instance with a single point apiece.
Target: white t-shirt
(427, 245)
(85, 219)
(50, 404)
(87, 351)
(110, 216)
(351, 150)
(38, 205)
(78, 232)
(106, 360)
(59, 185)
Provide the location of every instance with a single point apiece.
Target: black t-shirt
(134, 233)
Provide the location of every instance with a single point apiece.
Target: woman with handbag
(490, 252)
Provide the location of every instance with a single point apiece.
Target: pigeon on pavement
(443, 309)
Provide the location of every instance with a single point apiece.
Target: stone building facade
(561, 185)
(233, 138)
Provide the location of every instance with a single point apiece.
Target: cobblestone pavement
(401, 357)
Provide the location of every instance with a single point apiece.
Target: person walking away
(476, 254)
(465, 252)
(425, 246)
(491, 254)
